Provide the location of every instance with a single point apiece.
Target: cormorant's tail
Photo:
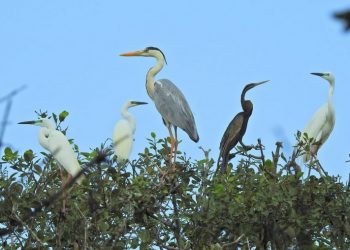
(221, 167)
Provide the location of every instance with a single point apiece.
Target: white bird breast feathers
(62, 151)
(122, 139)
(320, 125)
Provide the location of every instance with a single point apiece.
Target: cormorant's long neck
(243, 97)
(128, 116)
(247, 105)
(151, 74)
(330, 98)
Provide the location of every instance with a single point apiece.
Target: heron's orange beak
(134, 53)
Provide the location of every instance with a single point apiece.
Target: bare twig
(12, 93)
(168, 247)
(4, 122)
(261, 148)
(166, 223)
(177, 229)
(85, 225)
(292, 163)
(276, 155)
(244, 151)
(234, 242)
(319, 166)
(28, 228)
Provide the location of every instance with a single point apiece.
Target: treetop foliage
(262, 202)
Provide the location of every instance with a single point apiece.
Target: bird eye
(46, 135)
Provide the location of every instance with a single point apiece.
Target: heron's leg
(69, 178)
(168, 125)
(63, 184)
(175, 145)
(313, 152)
(308, 174)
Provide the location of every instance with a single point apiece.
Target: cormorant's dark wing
(230, 139)
(232, 134)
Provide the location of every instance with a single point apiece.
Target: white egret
(58, 145)
(168, 99)
(123, 134)
(322, 123)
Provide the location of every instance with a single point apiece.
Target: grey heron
(168, 99)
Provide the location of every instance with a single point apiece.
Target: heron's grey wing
(172, 105)
(231, 135)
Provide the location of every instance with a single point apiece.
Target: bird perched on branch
(58, 145)
(322, 122)
(123, 134)
(168, 99)
(236, 129)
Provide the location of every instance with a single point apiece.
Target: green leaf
(134, 243)
(153, 135)
(16, 188)
(63, 116)
(8, 152)
(145, 236)
(149, 169)
(28, 155)
(103, 226)
(269, 165)
(283, 157)
(37, 168)
(219, 189)
(54, 116)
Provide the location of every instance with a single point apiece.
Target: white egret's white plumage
(123, 134)
(322, 122)
(58, 145)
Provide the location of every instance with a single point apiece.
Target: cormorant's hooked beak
(135, 103)
(31, 122)
(133, 53)
(317, 74)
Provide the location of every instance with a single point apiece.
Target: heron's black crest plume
(155, 48)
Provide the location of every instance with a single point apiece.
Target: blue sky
(66, 52)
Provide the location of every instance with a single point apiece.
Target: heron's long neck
(128, 116)
(330, 98)
(150, 76)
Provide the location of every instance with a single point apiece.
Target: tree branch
(52, 199)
